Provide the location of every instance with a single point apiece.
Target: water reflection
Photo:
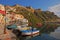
(40, 37)
(56, 33)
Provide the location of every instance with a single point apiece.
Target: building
(2, 22)
(19, 16)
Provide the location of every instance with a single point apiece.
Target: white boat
(30, 32)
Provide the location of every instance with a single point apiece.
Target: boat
(26, 31)
(30, 32)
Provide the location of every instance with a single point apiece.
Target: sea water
(56, 33)
(52, 36)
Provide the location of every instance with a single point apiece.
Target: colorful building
(18, 16)
(2, 22)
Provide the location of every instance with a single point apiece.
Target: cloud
(55, 9)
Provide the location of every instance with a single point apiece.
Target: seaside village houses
(2, 22)
(6, 18)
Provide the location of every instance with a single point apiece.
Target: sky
(42, 4)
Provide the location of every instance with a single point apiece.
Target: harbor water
(52, 36)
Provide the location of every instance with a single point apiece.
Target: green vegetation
(36, 17)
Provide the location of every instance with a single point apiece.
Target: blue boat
(30, 32)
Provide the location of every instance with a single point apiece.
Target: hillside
(33, 15)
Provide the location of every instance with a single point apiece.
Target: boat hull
(31, 33)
